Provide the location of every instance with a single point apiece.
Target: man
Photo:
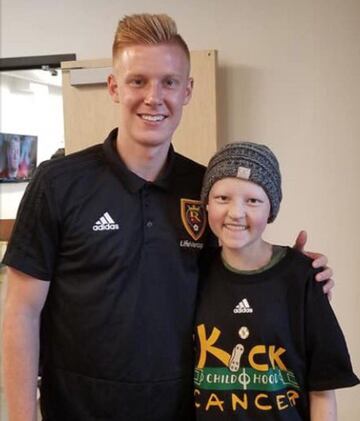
(13, 156)
(3, 165)
(106, 248)
(26, 163)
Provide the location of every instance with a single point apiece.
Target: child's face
(238, 211)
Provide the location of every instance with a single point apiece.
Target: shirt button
(149, 224)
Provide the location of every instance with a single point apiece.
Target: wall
(289, 77)
(33, 107)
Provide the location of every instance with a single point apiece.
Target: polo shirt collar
(131, 181)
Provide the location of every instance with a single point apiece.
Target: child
(268, 343)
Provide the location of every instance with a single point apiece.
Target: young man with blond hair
(102, 255)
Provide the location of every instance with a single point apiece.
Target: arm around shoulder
(24, 301)
(323, 406)
(319, 261)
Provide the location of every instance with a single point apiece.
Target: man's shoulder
(72, 165)
(186, 165)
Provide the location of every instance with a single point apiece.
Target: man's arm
(24, 301)
(319, 261)
(323, 406)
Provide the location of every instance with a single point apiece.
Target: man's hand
(319, 260)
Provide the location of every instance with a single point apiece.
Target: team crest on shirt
(193, 217)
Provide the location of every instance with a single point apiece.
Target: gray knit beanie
(248, 161)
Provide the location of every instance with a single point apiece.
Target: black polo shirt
(121, 255)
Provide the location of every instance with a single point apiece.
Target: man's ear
(189, 89)
(113, 88)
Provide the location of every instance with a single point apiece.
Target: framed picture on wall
(18, 156)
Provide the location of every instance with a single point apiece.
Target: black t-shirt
(121, 255)
(264, 340)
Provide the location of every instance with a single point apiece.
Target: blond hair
(147, 29)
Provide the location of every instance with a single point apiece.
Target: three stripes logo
(105, 223)
(243, 307)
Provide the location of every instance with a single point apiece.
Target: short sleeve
(34, 241)
(328, 360)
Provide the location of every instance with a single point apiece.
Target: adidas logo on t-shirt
(243, 307)
(105, 223)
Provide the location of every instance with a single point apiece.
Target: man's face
(151, 84)
(13, 154)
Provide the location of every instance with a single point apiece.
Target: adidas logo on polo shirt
(105, 223)
(243, 307)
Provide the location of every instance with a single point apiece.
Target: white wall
(289, 77)
(31, 108)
